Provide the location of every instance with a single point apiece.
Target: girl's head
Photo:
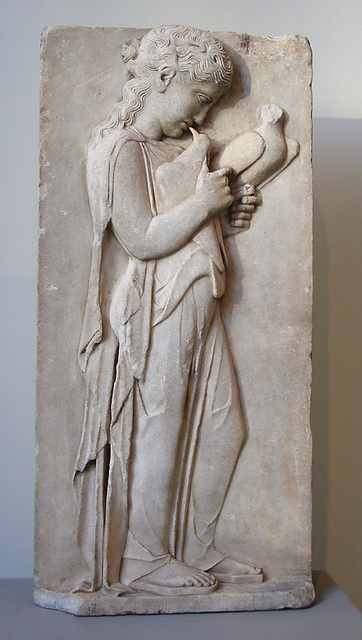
(189, 53)
(196, 55)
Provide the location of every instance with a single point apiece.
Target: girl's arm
(238, 217)
(147, 237)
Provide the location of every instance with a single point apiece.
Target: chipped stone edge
(276, 594)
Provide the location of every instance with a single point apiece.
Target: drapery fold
(113, 353)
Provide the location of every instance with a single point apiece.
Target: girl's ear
(164, 76)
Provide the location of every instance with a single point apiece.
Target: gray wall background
(334, 28)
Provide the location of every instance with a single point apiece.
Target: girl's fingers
(241, 224)
(245, 208)
(244, 216)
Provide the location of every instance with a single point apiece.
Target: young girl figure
(163, 424)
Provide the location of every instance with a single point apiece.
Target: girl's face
(182, 105)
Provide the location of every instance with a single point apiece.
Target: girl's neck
(148, 126)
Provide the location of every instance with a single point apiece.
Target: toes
(207, 575)
(251, 569)
(209, 578)
(197, 582)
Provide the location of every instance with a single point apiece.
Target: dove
(259, 155)
(182, 173)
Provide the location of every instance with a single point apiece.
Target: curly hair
(196, 55)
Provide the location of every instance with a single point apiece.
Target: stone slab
(266, 517)
(272, 595)
(332, 616)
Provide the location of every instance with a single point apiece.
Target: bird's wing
(292, 152)
(240, 153)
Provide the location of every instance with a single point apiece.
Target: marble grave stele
(174, 323)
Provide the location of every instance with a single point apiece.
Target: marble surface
(332, 617)
(243, 486)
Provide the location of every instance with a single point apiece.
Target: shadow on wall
(337, 353)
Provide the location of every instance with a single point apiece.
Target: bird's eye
(203, 99)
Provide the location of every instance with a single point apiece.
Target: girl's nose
(200, 117)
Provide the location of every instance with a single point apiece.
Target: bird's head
(271, 113)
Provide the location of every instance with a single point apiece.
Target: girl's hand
(246, 199)
(213, 190)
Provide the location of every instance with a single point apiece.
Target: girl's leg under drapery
(192, 337)
(220, 437)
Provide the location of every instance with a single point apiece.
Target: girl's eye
(203, 99)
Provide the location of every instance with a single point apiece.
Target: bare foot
(178, 574)
(228, 565)
(229, 570)
(176, 578)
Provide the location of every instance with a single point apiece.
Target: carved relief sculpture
(164, 424)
